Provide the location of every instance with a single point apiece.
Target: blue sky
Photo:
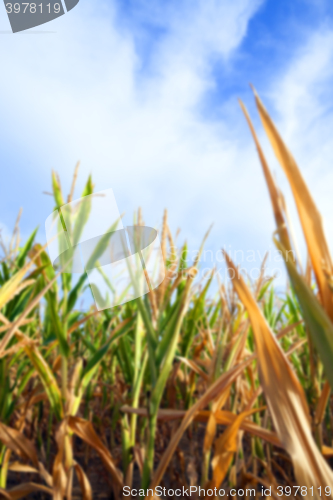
(145, 93)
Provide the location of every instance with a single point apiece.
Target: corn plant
(182, 386)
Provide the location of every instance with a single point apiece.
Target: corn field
(177, 389)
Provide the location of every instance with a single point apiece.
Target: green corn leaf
(101, 246)
(169, 355)
(98, 251)
(127, 355)
(151, 338)
(9, 288)
(316, 318)
(83, 213)
(94, 361)
(48, 380)
(24, 250)
(168, 334)
(75, 292)
(21, 303)
(196, 314)
(263, 289)
(57, 191)
(183, 258)
(57, 324)
(5, 273)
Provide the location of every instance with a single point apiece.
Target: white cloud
(80, 93)
(76, 93)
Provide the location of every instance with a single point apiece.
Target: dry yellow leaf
(309, 215)
(284, 395)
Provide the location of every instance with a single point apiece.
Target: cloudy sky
(144, 93)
